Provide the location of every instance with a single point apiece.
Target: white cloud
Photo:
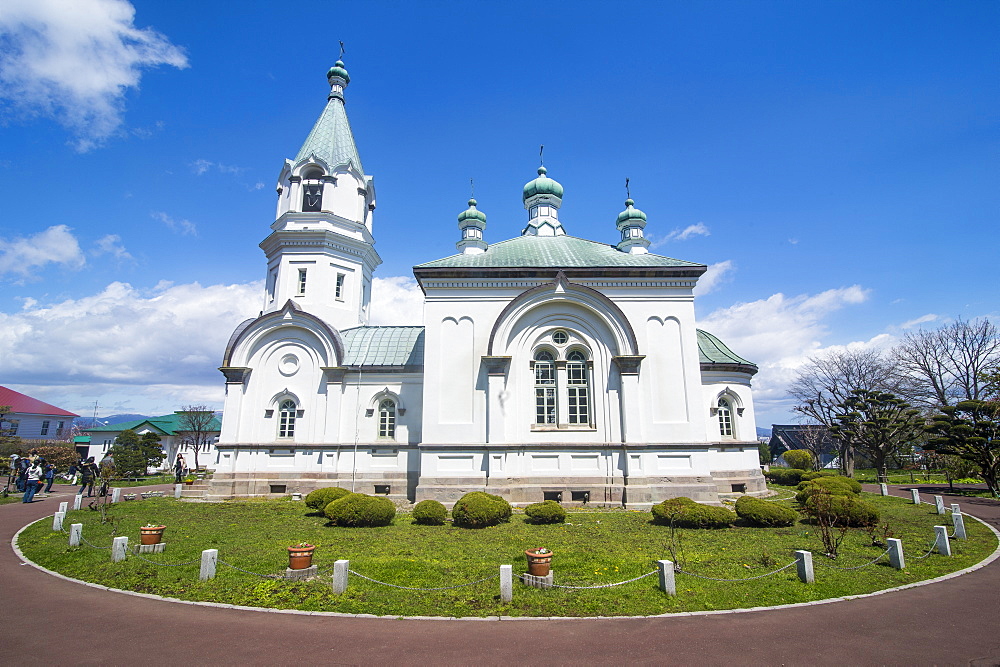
(201, 167)
(185, 227)
(111, 245)
(55, 245)
(712, 278)
(73, 61)
(929, 317)
(699, 229)
(397, 300)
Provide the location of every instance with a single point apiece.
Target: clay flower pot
(300, 557)
(151, 534)
(538, 563)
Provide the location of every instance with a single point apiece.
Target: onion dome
(630, 214)
(471, 214)
(631, 222)
(543, 185)
(338, 71)
(472, 222)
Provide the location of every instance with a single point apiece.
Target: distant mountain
(763, 432)
(88, 422)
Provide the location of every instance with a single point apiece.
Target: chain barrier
(92, 546)
(411, 588)
(256, 574)
(929, 551)
(759, 576)
(135, 552)
(627, 581)
(850, 569)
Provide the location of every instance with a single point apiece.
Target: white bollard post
(939, 504)
(77, 501)
(884, 488)
(805, 566)
(57, 521)
(119, 546)
(506, 583)
(75, 531)
(116, 494)
(915, 495)
(958, 521)
(178, 490)
(340, 576)
(896, 553)
(667, 583)
(941, 540)
(209, 559)
(63, 507)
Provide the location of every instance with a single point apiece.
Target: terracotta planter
(538, 564)
(300, 558)
(188, 483)
(151, 535)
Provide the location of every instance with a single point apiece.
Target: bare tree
(950, 364)
(197, 422)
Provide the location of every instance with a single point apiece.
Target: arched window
(578, 388)
(387, 419)
(286, 419)
(545, 388)
(312, 190)
(725, 419)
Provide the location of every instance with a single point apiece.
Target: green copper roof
(383, 346)
(338, 70)
(472, 213)
(630, 213)
(711, 350)
(543, 185)
(331, 138)
(553, 252)
(167, 424)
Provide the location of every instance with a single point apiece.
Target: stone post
(915, 495)
(116, 494)
(958, 521)
(805, 566)
(178, 490)
(667, 584)
(119, 547)
(884, 488)
(340, 576)
(896, 553)
(941, 540)
(77, 501)
(75, 531)
(57, 521)
(63, 507)
(939, 504)
(506, 583)
(209, 559)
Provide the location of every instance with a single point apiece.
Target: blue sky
(834, 163)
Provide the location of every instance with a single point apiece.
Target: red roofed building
(32, 419)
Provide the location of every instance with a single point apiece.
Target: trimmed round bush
(785, 476)
(849, 510)
(430, 513)
(547, 511)
(759, 512)
(838, 486)
(799, 458)
(320, 498)
(819, 473)
(358, 510)
(686, 513)
(479, 509)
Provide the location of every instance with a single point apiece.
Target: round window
(288, 365)
(560, 337)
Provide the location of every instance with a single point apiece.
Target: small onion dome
(471, 214)
(543, 185)
(630, 213)
(338, 71)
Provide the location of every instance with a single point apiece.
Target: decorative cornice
(496, 366)
(236, 374)
(628, 364)
(749, 369)
(334, 374)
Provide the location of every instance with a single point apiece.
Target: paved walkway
(950, 623)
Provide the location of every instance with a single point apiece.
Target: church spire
(331, 140)
(631, 222)
(472, 222)
(543, 197)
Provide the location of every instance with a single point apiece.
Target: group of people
(31, 473)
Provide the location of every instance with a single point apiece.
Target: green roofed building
(546, 365)
(178, 433)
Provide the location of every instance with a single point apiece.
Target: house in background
(174, 438)
(32, 419)
(814, 437)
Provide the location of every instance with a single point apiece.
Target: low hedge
(766, 514)
(686, 513)
(842, 486)
(358, 510)
(320, 498)
(849, 510)
(479, 509)
(430, 513)
(785, 476)
(547, 511)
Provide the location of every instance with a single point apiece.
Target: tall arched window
(312, 190)
(387, 419)
(286, 419)
(545, 388)
(578, 388)
(725, 419)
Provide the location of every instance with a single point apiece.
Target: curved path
(948, 623)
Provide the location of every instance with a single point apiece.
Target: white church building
(547, 366)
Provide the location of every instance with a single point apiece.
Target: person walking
(88, 473)
(32, 475)
(50, 477)
(179, 466)
(23, 464)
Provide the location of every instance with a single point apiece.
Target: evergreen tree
(970, 430)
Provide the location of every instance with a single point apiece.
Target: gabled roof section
(715, 355)
(165, 424)
(331, 138)
(25, 404)
(384, 346)
(555, 252)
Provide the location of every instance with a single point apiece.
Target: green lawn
(592, 548)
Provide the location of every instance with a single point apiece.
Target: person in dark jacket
(50, 477)
(88, 473)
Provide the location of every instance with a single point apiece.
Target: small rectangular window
(302, 282)
(59, 428)
(278, 488)
(45, 428)
(552, 495)
(339, 291)
(12, 427)
(382, 489)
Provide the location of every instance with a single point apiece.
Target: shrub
(799, 458)
(759, 512)
(429, 513)
(686, 513)
(320, 498)
(785, 476)
(849, 510)
(819, 473)
(838, 486)
(359, 510)
(479, 509)
(548, 511)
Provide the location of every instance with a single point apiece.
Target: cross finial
(341, 50)
(472, 186)
(628, 195)
(541, 156)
